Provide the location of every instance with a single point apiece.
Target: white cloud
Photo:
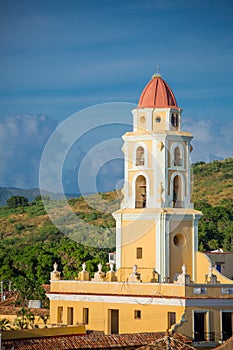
(212, 139)
(23, 138)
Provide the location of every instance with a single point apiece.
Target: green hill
(213, 182)
(30, 243)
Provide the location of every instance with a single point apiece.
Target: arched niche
(140, 192)
(140, 156)
(177, 190)
(177, 155)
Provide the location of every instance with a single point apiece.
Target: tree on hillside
(17, 201)
(215, 227)
(42, 197)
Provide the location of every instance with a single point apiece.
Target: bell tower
(156, 227)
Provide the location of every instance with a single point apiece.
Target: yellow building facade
(161, 280)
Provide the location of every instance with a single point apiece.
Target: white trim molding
(118, 299)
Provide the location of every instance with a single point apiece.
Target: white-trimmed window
(226, 324)
(201, 326)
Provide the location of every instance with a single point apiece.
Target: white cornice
(141, 216)
(138, 300)
(153, 135)
(118, 299)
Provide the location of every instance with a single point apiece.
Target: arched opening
(177, 157)
(140, 192)
(175, 120)
(140, 156)
(177, 192)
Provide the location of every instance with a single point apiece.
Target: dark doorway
(226, 325)
(114, 321)
(199, 326)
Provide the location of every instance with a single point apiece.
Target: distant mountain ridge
(30, 194)
(212, 182)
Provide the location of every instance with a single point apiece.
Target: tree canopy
(17, 201)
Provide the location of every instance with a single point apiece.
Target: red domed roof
(157, 94)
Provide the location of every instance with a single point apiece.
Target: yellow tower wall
(181, 253)
(138, 234)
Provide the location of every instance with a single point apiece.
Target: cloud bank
(23, 138)
(212, 139)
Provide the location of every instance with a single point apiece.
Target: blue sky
(58, 57)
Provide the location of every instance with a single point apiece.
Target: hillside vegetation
(213, 182)
(30, 243)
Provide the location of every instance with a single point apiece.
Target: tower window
(140, 157)
(177, 192)
(175, 120)
(177, 157)
(140, 192)
(139, 253)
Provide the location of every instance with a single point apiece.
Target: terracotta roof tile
(92, 342)
(157, 94)
(12, 310)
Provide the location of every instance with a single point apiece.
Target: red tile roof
(73, 342)
(10, 298)
(157, 94)
(12, 310)
(7, 306)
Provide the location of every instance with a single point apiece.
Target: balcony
(210, 339)
(204, 336)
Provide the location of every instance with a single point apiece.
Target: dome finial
(157, 74)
